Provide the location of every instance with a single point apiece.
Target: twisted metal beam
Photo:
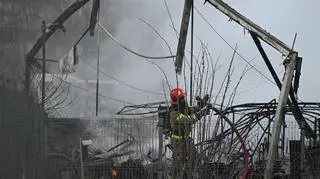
(243, 145)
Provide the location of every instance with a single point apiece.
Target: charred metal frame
(256, 31)
(94, 15)
(287, 100)
(152, 108)
(252, 114)
(292, 72)
(50, 30)
(292, 102)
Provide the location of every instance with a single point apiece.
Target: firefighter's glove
(209, 108)
(206, 99)
(202, 102)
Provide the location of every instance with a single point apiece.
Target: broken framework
(292, 63)
(293, 67)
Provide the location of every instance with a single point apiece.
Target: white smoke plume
(135, 71)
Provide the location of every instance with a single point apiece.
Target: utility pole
(283, 98)
(43, 26)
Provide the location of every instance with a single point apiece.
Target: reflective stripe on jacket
(181, 125)
(177, 138)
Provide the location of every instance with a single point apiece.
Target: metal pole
(318, 127)
(302, 138)
(191, 58)
(183, 35)
(160, 150)
(98, 71)
(315, 130)
(160, 124)
(45, 146)
(81, 160)
(43, 64)
(283, 98)
(283, 116)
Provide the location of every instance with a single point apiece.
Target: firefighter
(184, 153)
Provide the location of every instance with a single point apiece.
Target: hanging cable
(86, 90)
(122, 82)
(205, 19)
(129, 50)
(169, 48)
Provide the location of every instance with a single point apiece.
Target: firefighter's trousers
(184, 155)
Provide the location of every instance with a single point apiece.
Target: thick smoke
(130, 68)
(121, 19)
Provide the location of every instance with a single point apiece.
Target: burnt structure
(72, 155)
(247, 118)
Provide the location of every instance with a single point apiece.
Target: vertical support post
(160, 149)
(318, 119)
(81, 160)
(45, 145)
(283, 116)
(269, 132)
(162, 116)
(283, 98)
(315, 130)
(191, 57)
(297, 75)
(98, 71)
(183, 35)
(303, 152)
(43, 64)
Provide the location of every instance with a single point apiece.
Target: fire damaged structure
(292, 155)
(74, 151)
(279, 139)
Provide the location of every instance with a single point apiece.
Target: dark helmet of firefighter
(176, 95)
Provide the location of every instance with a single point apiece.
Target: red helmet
(176, 94)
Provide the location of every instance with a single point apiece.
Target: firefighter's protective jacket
(181, 119)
